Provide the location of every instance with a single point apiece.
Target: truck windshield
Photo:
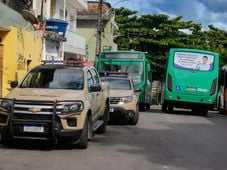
(117, 83)
(193, 61)
(54, 78)
(134, 69)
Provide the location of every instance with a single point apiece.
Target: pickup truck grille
(32, 116)
(42, 108)
(34, 113)
(114, 100)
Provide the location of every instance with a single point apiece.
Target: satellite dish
(30, 17)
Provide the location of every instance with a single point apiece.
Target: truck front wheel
(7, 139)
(135, 119)
(102, 128)
(83, 141)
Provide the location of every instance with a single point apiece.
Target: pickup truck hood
(120, 93)
(45, 94)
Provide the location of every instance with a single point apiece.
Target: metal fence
(18, 5)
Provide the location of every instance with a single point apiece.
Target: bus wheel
(170, 109)
(204, 111)
(148, 106)
(142, 106)
(221, 111)
(164, 108)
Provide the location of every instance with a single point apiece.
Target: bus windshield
(134, 69)
(194, 61)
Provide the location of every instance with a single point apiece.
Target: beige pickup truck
(55, 102)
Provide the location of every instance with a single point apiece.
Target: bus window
(134, 69)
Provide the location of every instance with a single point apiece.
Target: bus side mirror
(13, 84)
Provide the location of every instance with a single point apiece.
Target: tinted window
(60, 78)
(95, 76)
(117, 83)
(89, 79)
(134, 69)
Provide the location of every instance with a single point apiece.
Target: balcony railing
(78, 3)
(75, 43)
(18, 5)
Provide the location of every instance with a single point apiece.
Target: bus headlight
(72, 107)
(126, 99)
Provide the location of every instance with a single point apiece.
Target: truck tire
(102, 128)
(7, 139)
(83, 141)
(135, 119)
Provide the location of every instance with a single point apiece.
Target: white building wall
(70, 14)
(75, 43)
(46, 8)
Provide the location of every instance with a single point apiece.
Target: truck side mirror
(138, 90)
(13, 84)
(95, 88)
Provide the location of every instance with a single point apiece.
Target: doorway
(1, 68)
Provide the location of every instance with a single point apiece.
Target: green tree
(157, 33)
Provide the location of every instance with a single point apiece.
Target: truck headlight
(6, 105)
(126, 99)
(72, 107)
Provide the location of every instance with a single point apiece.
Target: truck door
(92, 97)
(1, 68)
(100, 95)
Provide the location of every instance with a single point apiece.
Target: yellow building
(20, 47)
(19, 51)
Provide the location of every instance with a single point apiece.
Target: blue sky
(199, 11)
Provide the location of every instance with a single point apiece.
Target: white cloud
(200, 10)
(205, 12)
(220, 25)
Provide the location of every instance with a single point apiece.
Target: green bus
(135, 64)
(191, 80)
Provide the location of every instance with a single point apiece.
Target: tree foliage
(157, 33)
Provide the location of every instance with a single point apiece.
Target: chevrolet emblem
(34, 109)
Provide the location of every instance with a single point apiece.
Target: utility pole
(99, 29)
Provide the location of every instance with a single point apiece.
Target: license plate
(39, 129)
(111, 109)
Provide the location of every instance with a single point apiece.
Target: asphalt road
(179, 141)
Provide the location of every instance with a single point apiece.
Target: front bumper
(117, 112)
(180, 97)
(63, 134)
(25, 125)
